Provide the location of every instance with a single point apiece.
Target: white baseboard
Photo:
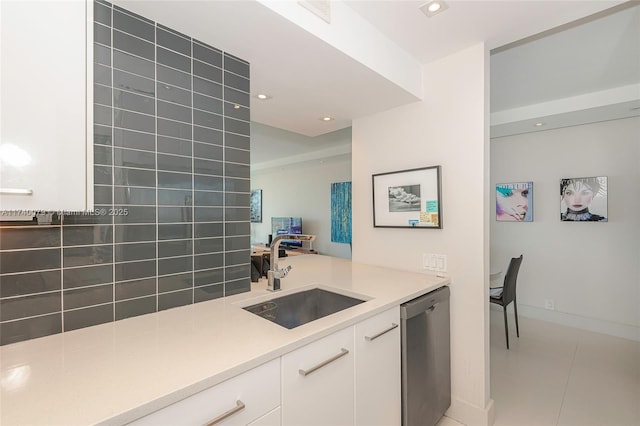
(470, 415)
(625, 331)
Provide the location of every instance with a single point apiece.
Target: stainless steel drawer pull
(342, 353)
(370, 338)
(16, 191)
(239, 406)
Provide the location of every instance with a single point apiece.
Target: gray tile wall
(172, 189)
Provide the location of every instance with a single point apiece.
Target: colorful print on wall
(256, 206)
(514, 202)
(341, 212)
(583, 199)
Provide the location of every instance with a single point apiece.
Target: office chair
(508, 294)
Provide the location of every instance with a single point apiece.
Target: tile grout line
(566, 386)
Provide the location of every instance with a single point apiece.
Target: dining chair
(508, 294)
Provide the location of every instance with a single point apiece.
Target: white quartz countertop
(114, 373)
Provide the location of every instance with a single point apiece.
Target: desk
(259, 248)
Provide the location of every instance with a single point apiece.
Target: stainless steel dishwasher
(426, 358)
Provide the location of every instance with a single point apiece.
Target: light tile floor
(561, 376)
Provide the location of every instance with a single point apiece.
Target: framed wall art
(583, 199)
(341, 212)
(256, 206)
(514, 202)
(408, 199)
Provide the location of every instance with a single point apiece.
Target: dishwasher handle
(426, 302)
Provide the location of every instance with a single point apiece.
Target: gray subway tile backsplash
(208, 135)
(169, 184)
(175, 265)
(86, 317)
(236, 81)
(208, 230)
(207, 103)
(129, 23)
(172, 40)
(88, 296)
(14, 308)
(169, 92)
(176, 146)
(29, 260)
(208, 277)
(87, 276)
(173, 59)
(30, 283)
(208, 292)
(135, 307)
(130, 44)
(30, 328)
(208, 245)
(175, 282)
(134, 233)
(24, 238)
(175, 299)
(133, 64)
(134, 270)
(207, 119)
(135, 288)
(173, 77)
(133, 102)
(132, 139)
(207, 54)
(102, 34)
(135, 251)
(102, 14)
(175, 231)
(236, 65)
(207, 87)
(133, 83)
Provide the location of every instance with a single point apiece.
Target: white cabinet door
(237, 401)
(317, 382)
(272, 418)
(46, 156)
(377, 383)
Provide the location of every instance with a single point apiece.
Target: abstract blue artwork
(341, 212)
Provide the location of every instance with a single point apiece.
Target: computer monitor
(287, 225)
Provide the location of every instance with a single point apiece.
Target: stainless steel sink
(295, 309)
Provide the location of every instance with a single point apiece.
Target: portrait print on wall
(583, 199)
(514, 202)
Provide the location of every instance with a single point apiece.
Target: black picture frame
(256, 206)
(409, 198)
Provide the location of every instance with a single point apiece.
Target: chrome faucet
(274, 274)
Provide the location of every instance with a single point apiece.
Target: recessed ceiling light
(327, 118)
(433, 7)
(263, 97)
(539, 124)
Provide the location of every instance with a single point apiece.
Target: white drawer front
(257, 389)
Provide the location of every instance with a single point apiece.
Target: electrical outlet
(549, 304)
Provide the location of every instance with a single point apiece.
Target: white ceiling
(371, 62)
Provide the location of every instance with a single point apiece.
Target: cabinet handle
(370, 338)
(342, 353)
(16, 191)
(239, 406)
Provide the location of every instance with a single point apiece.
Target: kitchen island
(117, 372)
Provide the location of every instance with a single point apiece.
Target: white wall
(302, 190)
(449, 128)
(590, 270)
